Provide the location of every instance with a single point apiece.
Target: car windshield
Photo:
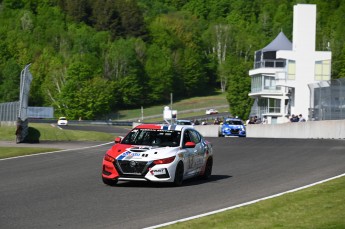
(233, 122)
(151, 137)
(184, 123)
(62, 119)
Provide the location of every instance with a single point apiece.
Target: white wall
(329, 129)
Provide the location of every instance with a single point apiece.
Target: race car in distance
(158, 153)
(185, 123)
(211, 111)
(62, 121)
(233, 127)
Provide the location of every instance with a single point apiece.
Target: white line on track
(37, 154)
(243, 204)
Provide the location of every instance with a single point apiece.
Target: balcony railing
(269, 64)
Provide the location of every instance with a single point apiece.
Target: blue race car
(233, 127)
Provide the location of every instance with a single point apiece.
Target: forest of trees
(91, 58)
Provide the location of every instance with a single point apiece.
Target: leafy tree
(144, 50)
(93, 99)
(152, 9)
(78, 10)
(105, 17)
(119, 59)
(192, 74)
(239, 87)
(10, 81)
(13, 4)
(160, 74)
(210, 10)
(131, 19)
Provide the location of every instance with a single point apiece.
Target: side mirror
(189, 145)
(117, 140)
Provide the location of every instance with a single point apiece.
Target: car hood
(141, 153)
(232, 126)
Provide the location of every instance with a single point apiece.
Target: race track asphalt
(64, 189)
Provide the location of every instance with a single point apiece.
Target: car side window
(195, 136)
(186, 137)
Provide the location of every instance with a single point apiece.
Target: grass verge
(187, 104)
(321, 206)
(6, 152)
(47, 132)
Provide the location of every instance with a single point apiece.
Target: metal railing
(270, 64)
(327, 100)
(16, 112)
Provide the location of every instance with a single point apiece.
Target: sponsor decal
(158, 172)
(128, 155)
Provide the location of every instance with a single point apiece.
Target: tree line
(91, 58)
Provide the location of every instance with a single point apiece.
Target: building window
(256, 85)
(291, 69)
(269, 105)
(274, 105)
(269, 83)
(323, 70)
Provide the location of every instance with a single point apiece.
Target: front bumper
(129, 170)
(234, 132)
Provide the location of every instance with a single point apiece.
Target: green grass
(187, 104)
(321, 206)
(47, 132)
(7, 133)
(6, 152)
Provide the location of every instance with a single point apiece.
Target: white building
(283, 70)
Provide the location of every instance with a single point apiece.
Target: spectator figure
(294, 118)
(258, 121)
(251, 120)
(301, 118)
(264, 120)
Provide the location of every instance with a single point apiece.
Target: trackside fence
(327, 100)
(17, 112)
(8, 113)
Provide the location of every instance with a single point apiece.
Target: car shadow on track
(190, 182)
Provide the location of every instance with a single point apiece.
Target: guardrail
(327, 129)
(84, 122)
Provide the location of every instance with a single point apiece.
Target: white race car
(158, 153)
(62, 121)
(211, 111)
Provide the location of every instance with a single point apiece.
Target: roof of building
(281, 42)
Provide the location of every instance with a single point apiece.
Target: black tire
(208, 169)
(109, 181)
(179, 174)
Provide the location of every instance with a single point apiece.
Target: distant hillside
(88, 62)
(186, 107)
